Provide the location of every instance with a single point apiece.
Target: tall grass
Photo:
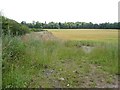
(21, 60)
(24, 60)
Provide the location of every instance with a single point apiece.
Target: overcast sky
(96, 11)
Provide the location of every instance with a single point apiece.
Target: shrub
(13, 48)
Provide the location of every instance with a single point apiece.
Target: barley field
(86, 34)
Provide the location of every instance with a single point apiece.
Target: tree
(13, 28)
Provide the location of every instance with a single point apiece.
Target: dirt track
(43, 35)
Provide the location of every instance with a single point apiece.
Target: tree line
(71, 25)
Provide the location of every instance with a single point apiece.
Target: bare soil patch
(43, 35)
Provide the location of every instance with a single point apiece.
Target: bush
(13, 48)
(13, 28)
(36, 30)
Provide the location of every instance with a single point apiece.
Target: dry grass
(86, 34)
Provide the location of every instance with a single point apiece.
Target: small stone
(62, 79)
(102, 80)
(68, 85)
(52, 71)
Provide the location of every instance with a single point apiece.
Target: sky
(96, 11)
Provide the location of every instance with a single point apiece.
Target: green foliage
(13, 48)
(72, 25)
(13, 28)
(36, 30)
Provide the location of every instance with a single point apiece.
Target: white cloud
(61, 10)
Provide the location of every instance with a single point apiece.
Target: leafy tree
(13, 28)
